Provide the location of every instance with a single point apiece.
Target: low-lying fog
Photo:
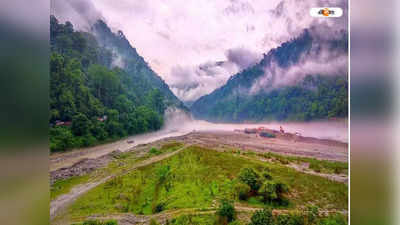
(178, 123)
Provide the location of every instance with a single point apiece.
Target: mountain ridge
(230, 102)
(101, 89)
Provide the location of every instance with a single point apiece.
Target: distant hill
(100, 88)
(283, 85)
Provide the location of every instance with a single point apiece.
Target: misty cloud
(192, 35)
(243, 58)
(320, 60)
(191, 82)
(82, 14)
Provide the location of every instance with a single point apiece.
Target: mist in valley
(179, 122)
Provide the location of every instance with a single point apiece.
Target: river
(178, 123)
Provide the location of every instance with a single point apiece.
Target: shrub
(153, 222)
(337, 170)
(289, 219)
(333, 220)
(159, 207)
(98, 222)
(154, 151)
(236, 222)
(242, 191)
(312, 214)
(315, 166)
(266, 174)
(262, 217)
(80, 125)
(250, 177)
(226, 211)
(273, 191)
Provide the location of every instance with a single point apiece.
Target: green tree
(273, 191)
(250, 177)
(226, 211)
(80, 125)
(262, 217)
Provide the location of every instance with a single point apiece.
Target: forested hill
(100, 88)
(282, 86)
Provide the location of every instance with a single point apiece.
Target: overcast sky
(195, 46)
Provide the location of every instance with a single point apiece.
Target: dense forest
(100, 88)
(316, 96)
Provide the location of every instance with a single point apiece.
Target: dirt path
(287, 144)
(64, 200)
(130, 218)
(342, 178)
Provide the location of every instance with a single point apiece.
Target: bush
(154, 151)
(273, 191)
(61, 138)
(333, 220)
(236, 222)
(312, 214)
(315, 166)
(262, 217)
(250, 177)
(159, 207)
(242, 191)
(153, 222)
(98, 222)
(289, 219)
(226, 211)
(80, 125)
(266, 175)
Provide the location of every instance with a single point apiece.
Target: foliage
(333, 220)
(262, 217)
(153, 222)
(273, 191)
(312, 214)
(226, 211)
(154, 151)
(314, 97)
(102, 101)
(193, 220)
(235, 222)
(250, 177)
(289, 219)
(98, 222)
(197, 177)
(242, 191)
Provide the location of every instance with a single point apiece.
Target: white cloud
(187, 33)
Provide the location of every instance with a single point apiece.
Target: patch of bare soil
(82, 167)
(286, 144)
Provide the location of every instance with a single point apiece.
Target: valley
(199, 163)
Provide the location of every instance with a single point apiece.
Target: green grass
(196, 177)
(121, 163)
(64, 186)
(208, 219)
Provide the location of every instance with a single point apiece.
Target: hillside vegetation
(315, 96)
(100, 88)
(199, 178)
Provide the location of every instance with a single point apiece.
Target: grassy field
(121, 163)
(196, 178)
(64, 186)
